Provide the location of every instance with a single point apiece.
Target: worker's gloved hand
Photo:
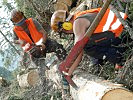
(36, 51)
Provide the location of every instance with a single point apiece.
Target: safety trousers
(109, 51)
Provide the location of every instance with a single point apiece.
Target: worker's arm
(75, 55)
(79, 28)
(41, 30)
(17, 40)
(44, 35)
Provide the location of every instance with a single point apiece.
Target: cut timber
(67, 2)
(28, 79)
(94, 88)
(60, 6)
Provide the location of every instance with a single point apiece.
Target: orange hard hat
(16, 16)
(58, 16)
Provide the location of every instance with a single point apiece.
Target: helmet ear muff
(67, 26)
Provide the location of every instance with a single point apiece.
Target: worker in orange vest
(29, 33)
(102, 44)
(33, 38)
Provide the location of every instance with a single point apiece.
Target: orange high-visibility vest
(109, 21)
(37, 37)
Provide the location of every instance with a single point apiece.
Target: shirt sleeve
(37, 24)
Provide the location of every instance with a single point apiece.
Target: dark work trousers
(109, 50)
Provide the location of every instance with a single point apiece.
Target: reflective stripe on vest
(109, 22)
(36, 36)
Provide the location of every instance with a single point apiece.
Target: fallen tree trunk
(91, 86)
(94, 88)
(28, 79)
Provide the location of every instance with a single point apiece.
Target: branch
(10, 43)
(127, 7)
(119, 4)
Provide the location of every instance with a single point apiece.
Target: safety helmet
(16, 16)
(58, 16)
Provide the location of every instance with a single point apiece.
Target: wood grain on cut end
(118, 94)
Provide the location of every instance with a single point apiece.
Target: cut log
(67, 2)
(28, 79)
(60, 6)
(94, 88)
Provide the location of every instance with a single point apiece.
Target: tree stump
(28, 79)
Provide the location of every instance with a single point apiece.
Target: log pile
(62, 5)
